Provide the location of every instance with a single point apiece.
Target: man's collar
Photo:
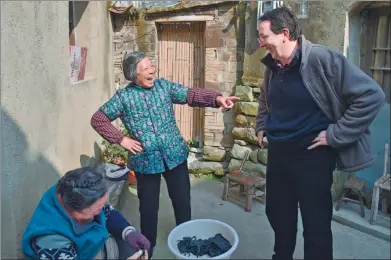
(270, 62)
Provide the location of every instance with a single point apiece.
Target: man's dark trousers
(148, 191)
(296, 177)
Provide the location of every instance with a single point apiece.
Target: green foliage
(114, 153)
(193, 143)
(207, 176)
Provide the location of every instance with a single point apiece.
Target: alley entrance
(181, 58)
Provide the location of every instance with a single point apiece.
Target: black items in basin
(212, 246)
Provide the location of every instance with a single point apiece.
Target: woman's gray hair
(82, 187)
(129, 64)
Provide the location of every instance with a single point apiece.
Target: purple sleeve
(103, 126)
(116, 224)
(200, 97)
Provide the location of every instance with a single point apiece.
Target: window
(303, 10)
(265, 6)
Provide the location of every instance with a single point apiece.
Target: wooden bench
(382, 184)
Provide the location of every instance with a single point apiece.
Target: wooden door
(181, 59)
(375, 46)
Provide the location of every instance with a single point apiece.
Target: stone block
(129, 37)
(230, 42)
(247, 121)
(213, 43)
(249, 167)
(240, 142)
(213, 154)
(229, 76)
(239, 152)
(234, 66)
(214, 75)
(130, 46)
(245, 134)
(118, 46)
(229, 87)
(245, 93)
(200, 168)
(256, 91)
(210, 54)
(117, 37)
(254, 156)
(262, 156)
(196, 150)
(247, 108)
(146, 47)
(223, 55)
(236, 55)
(212, 85)
(214, 32)
(215, 66)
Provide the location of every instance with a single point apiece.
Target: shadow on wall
(91, 161)
(25, 177)
(76, 11)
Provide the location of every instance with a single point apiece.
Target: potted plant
(116, 154)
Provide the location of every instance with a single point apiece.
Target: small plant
(193, 143)
(115, 153)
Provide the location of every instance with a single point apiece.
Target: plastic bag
(116, 176)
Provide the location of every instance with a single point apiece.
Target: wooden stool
(357, 186)
(382, 184)
(247, 186)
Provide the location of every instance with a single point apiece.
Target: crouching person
(74, 221)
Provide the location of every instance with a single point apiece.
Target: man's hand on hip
(260, 139)
(319, 140)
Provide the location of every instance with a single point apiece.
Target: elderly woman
(156, 147)
(74, 221)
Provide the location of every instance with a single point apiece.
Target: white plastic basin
(203, 229)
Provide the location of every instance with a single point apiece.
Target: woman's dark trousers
(148, 190)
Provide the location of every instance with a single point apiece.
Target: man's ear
(286, 33)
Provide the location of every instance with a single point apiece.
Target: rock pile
(220, 160)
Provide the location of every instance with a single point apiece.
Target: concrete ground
(255, 234)
(349, 215)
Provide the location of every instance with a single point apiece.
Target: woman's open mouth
(150, 81)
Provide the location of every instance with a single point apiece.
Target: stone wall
(224, 55)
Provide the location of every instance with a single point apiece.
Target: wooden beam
(184, 18)
(380, 68)
(381, 49)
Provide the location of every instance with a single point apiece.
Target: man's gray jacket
(347, 96)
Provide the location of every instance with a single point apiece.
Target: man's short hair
(283, 18)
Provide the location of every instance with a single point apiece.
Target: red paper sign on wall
(77, 63)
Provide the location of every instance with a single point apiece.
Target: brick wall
(131, 35)
(224, 51)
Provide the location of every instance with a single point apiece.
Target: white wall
(45, 120)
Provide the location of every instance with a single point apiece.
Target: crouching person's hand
(137, 240)
(141, 254)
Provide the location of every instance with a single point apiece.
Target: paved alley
(255, 233)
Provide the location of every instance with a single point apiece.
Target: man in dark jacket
(315, 108)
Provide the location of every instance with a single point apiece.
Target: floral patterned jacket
(148, 115)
